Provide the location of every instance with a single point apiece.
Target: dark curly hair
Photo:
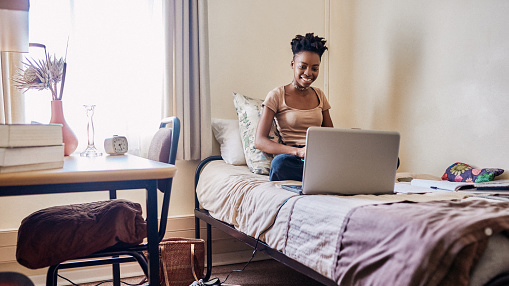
(310, 43)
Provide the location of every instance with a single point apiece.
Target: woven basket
(181, 261)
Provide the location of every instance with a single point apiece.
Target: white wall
(434, 70)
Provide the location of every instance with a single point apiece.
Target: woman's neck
(298, 87)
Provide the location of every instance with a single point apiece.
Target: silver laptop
(350, 161)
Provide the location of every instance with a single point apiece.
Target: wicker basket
(181, 261)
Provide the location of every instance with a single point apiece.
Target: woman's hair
(310, 43)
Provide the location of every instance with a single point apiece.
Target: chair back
(163, 148)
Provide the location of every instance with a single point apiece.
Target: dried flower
(42, 74)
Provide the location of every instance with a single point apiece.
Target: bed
(438, 238)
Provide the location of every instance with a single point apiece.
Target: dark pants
(286, 167)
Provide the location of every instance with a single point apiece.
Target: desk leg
(152, 235)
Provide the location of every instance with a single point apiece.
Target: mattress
(307, 228)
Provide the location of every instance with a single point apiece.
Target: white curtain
(186, 86)
(137, 61)
(115, 53)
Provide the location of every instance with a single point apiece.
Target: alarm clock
(116, 145)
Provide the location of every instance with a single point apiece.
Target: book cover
(24, 135)
(31, 167)
(31, 155)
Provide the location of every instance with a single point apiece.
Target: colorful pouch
(461, 172)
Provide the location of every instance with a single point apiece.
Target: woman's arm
(327, 121)
(262, 141)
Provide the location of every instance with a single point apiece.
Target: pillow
(227, 134)
(249, 111)
(461, 172)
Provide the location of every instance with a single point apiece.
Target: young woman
(294, 107)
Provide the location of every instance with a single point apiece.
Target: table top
(93, 169)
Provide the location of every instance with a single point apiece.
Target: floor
(257, 273)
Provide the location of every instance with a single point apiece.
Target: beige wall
(436, 71)
(433, 70)
(249, 46)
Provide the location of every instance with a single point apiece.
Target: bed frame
(203, 214)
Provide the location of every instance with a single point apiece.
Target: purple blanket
(434, 243)
(53, 235)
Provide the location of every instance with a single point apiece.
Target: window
(114, 60)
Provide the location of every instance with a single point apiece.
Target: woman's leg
(286, 167)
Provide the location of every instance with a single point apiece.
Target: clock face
(120, 144)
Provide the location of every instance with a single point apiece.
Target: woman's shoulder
(278, 91)
(276, 94)
(324, 102)
(318, 91)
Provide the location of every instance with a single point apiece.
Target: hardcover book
(31, 155)
(24, 135)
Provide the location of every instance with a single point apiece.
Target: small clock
(116, 145)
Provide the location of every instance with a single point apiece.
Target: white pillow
(227, 135)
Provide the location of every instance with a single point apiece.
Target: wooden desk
(83, 174)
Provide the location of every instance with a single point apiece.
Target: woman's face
(306, 66)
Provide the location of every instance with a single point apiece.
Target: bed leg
(209, 253)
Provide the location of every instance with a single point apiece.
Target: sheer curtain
(115, 60)
(136, 60)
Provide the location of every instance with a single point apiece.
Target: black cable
(67, 280)
(258, 240)
(101, 282)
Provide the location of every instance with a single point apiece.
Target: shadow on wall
(405, 62)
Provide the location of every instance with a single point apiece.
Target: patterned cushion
(249, 111)
(461, 172)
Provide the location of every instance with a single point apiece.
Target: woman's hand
(301, 152)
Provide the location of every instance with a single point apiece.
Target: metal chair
(163, 148)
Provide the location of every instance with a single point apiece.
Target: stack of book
(29, 147)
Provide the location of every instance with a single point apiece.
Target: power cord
(258, 240)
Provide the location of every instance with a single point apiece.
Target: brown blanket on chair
(56, 234)
(434, 243)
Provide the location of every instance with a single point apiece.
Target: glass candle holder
(91, 151)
